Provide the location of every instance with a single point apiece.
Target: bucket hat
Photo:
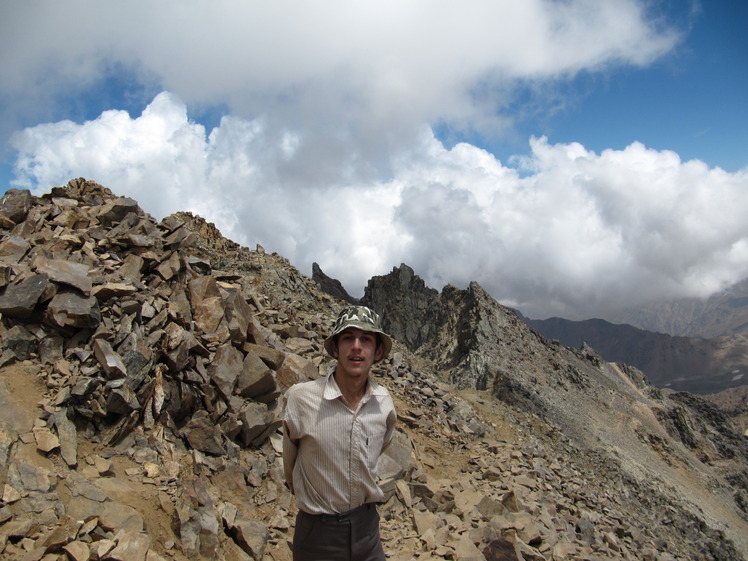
(362, 318)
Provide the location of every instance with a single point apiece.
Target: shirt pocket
(373, 442)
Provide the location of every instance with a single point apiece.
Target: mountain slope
(603, 408)
(142, 369)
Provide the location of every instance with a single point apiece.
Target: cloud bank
(322, 144)
(355, 78)
(561, 231)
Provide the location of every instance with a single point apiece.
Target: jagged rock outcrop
(331, 286)
(142, 370)
(418, 307)
(152, 325)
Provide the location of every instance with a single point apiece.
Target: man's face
(356, 350)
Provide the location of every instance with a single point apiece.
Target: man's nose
(357, 342)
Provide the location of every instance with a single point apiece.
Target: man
(335, 429)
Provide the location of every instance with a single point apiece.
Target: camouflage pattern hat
(362, 318)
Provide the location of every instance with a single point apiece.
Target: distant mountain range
(723, 314)
(682, 363)
(690, 344)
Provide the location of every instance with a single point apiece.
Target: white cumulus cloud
(565, 231)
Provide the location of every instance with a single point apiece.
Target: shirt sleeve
(390, 430)
(290, 441)
(290, 450)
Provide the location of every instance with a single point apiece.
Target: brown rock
(68, 436)
(252, 537)
(65, 272)
(20, 299)
(131, 546)
(257, 423)
(169, 268)
(20, 528)
(224, 369)
(465, 550)
(77, 551)
(15, 204)
(501, 550)
(13, 249)
(109, 360)
(255, 379)
(18, 343)
(209, 317)
(203, 434)
(295, 369)
(65, 533)
(116, 210)
(45, 440)
(237, 312)
(111, 290)
(69, 309)
(272, 357)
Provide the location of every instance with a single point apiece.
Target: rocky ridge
(651, 436)
(142, 368)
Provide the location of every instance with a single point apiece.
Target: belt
(341, 516)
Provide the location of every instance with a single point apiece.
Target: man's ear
(378, 352)
(334, 348)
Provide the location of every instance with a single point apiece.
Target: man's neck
(353, 390)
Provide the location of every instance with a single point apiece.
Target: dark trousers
(351, 536)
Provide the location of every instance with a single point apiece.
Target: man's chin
(357, 367)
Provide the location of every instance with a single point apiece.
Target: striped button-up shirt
(330, 451)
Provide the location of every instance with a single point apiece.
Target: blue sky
(576, 158)
(693, 100)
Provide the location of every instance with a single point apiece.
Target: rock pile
(134, 329)
(142, 369)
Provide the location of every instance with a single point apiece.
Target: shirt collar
(332, 391)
